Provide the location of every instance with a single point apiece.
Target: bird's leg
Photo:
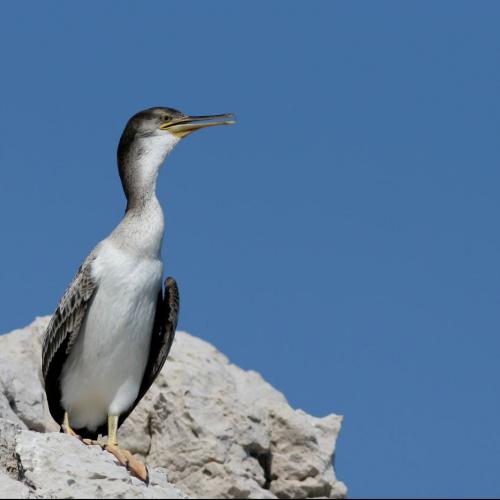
(66, 428)
(113, 430)
(125, 458)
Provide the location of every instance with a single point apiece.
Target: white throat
(149, 155)
(141, 230)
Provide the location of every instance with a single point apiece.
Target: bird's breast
(127, 293)
(126, 275)
(105, 368)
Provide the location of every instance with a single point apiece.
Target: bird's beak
(183, 126)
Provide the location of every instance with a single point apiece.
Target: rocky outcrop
(219, 431)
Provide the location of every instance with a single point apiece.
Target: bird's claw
(92, 442)
(66, 429)
(125, 458)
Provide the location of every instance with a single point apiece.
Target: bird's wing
(62, 332)
(167, 313)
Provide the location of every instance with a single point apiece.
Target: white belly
(104, 370)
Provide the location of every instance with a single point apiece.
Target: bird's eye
(166, 118)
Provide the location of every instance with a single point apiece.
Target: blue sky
(342, 239)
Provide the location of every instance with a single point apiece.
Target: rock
(8, 459)
(219, 431)
(10, 488)
(22, 398)
(57, 466)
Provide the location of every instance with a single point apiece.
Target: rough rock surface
(58, 466)
(219, 431)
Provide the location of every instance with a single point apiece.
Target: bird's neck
(139, 167)
(142, 226)
(141, 230)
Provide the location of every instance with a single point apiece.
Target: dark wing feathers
(163, 335)
(62, 332)
(167, 313)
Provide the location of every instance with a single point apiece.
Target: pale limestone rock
(219, 431)
(57, 466)
(10, 488)
(22, 398)
(62, 467)
(8, 459)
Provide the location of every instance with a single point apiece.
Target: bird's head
(151, 134)
(166, 126)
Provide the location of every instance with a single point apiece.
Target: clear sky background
(342, 239)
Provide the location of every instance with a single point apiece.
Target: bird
(113, 328)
